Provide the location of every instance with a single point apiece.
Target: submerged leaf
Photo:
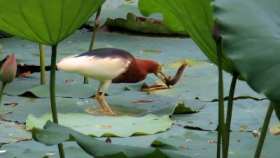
(137, 24)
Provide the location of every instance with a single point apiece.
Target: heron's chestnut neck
(148, 66)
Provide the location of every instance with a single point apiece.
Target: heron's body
(109, 65)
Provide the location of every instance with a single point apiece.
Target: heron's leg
(100, 97)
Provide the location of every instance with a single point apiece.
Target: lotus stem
(93, 36)
(42, 65)
(218, 143)
(53, 94)
(264, 131)
(221, 127)
(229, 111)
(1, 92)
(95, 28)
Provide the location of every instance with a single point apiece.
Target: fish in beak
(168, 80)
(162, 76)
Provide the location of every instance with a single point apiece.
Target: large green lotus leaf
(194, 17)
(53, 134)
(32, 149)
(250, 31)
(12, 132)
(46, 22)
(121, 126)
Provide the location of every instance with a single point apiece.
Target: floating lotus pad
(121, 126)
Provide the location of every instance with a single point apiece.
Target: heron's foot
(93, 111)
(108, 112)
(98, 111)
(106, 109)
(155, 87)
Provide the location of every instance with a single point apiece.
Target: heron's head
(155, 68)
(152, 66)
